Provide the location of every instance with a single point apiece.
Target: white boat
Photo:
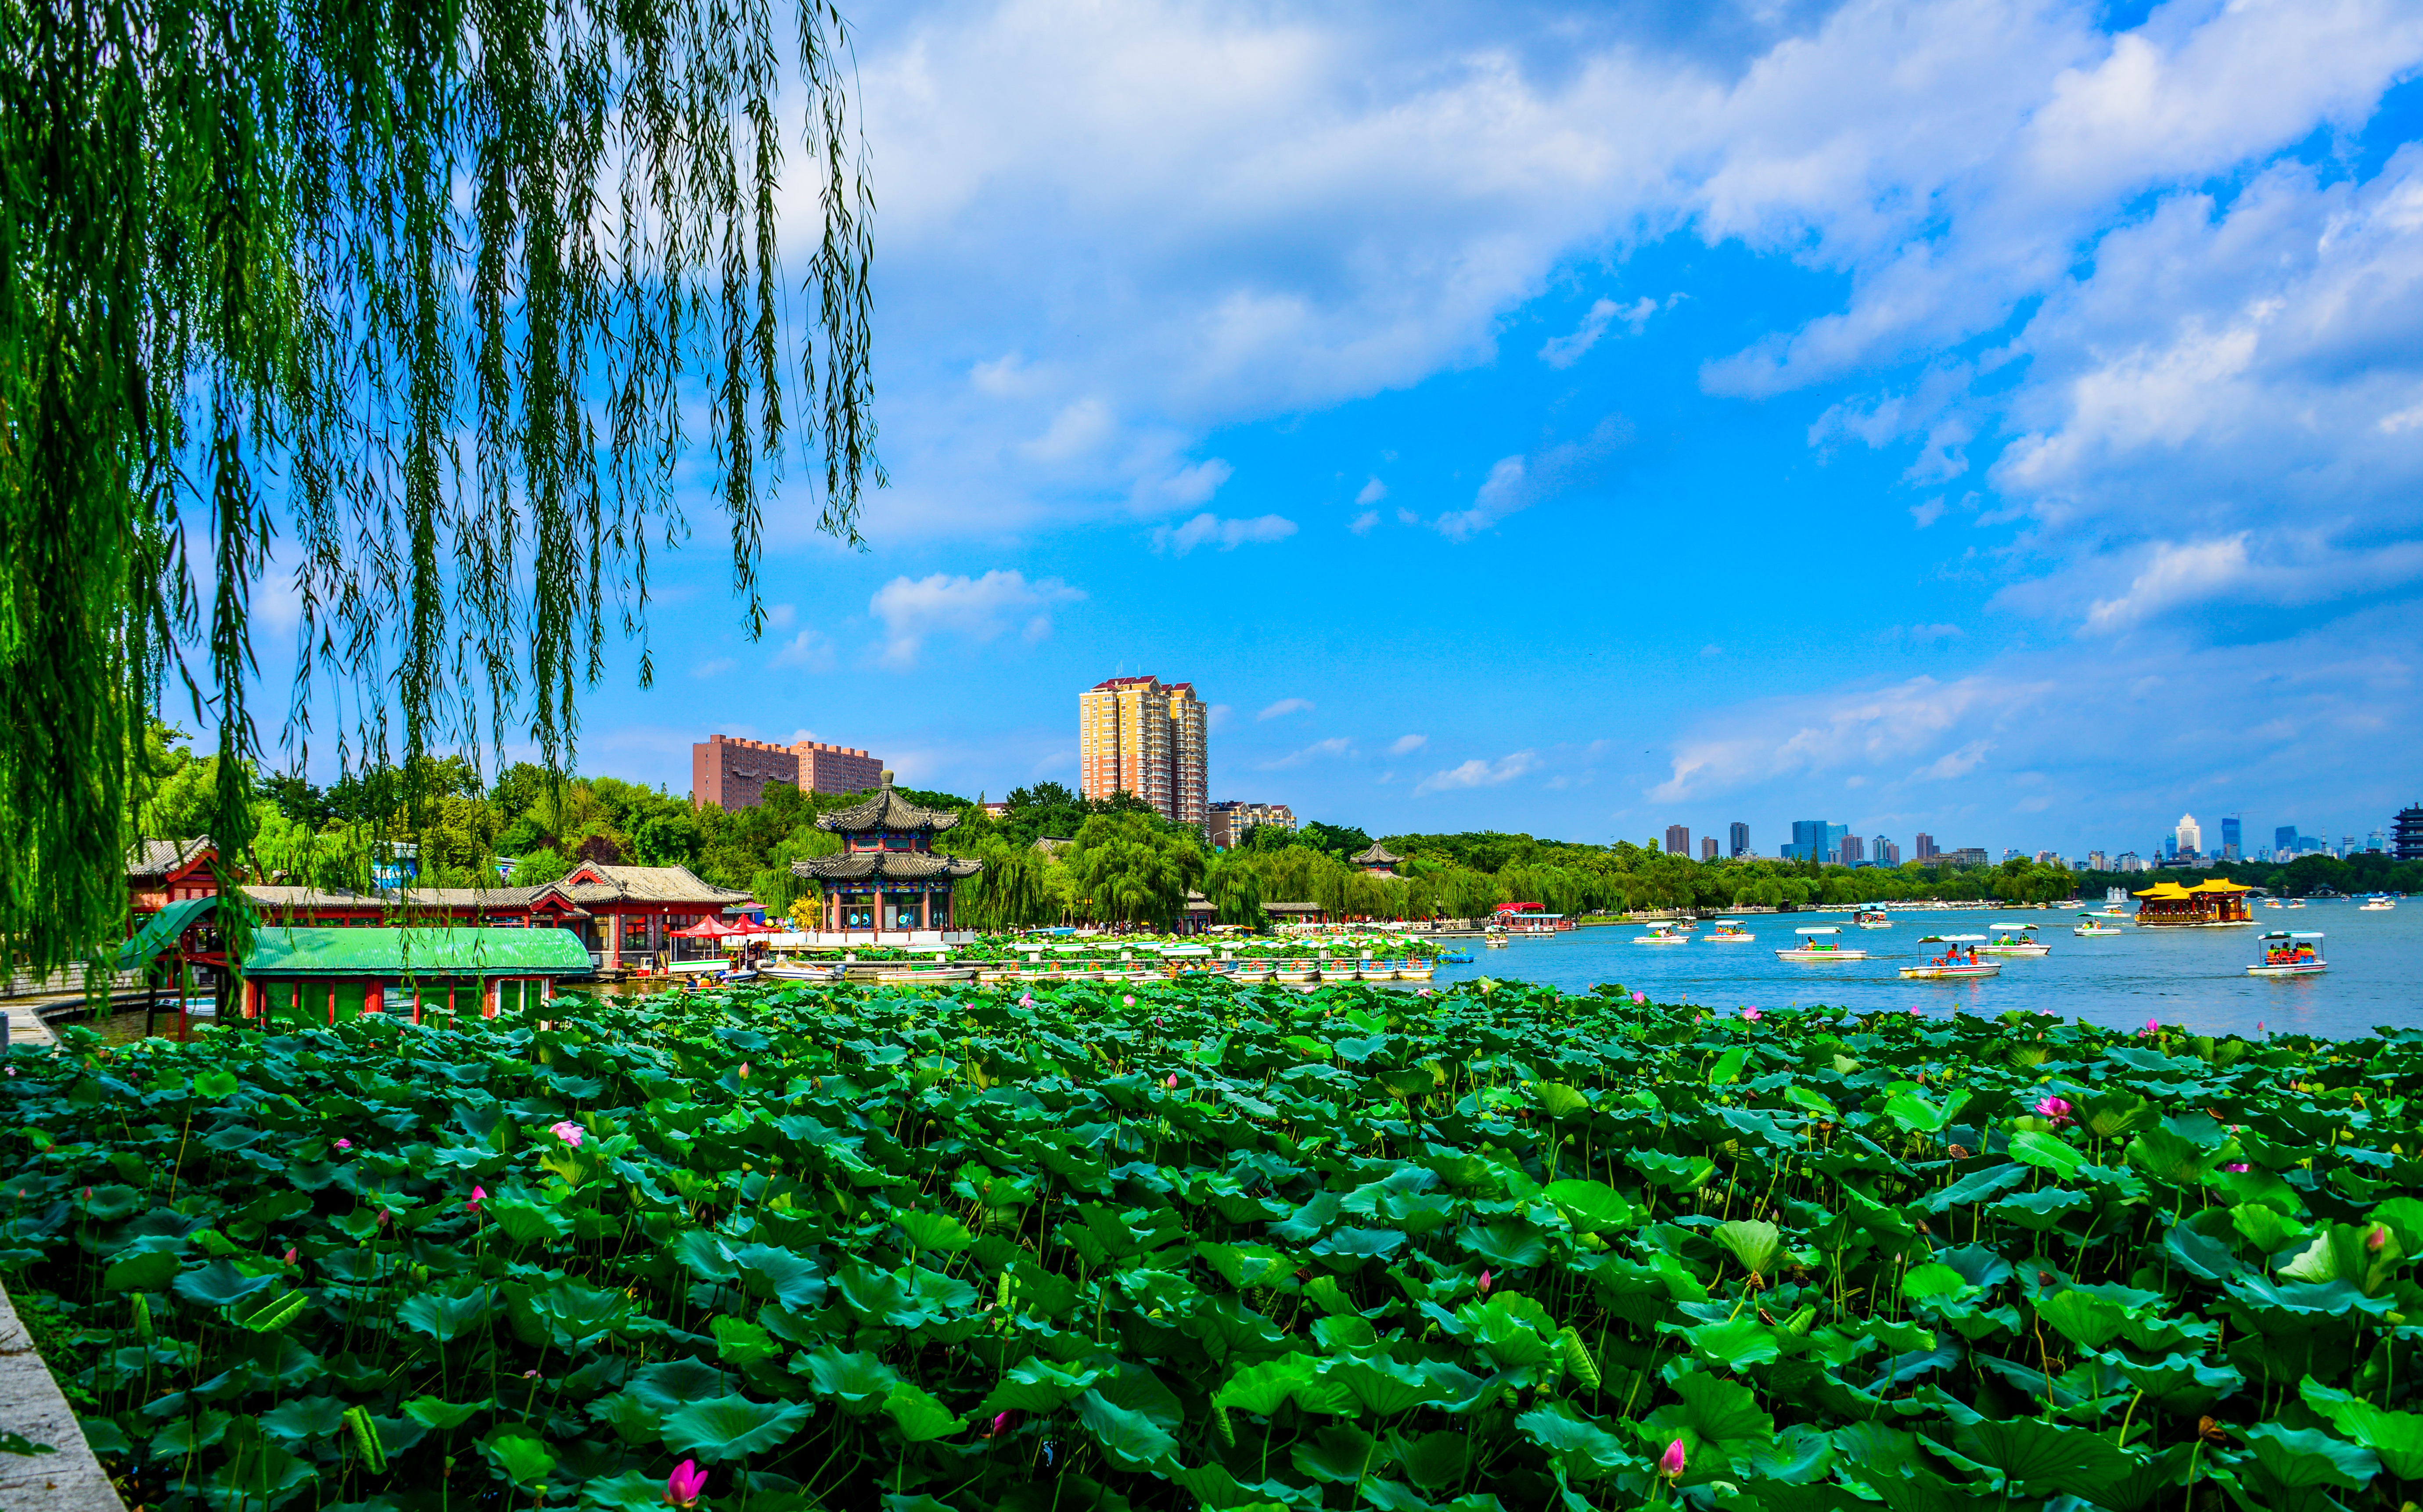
(2088, 927)
(1729, 932)
(1662, 934)
(805, 971)
(1298, 973)
(1817, 944)
(2296, 903)
(924, 976)
(1495, 943)
(1871, 919)
(2378, 902)
(2288, 953)
(2014, 938)
(1951, 963)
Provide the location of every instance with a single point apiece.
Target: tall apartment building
(1922, 847)
(1884, 852)
(1740, 838)
(2232, 838)
(1141, 735)
(1965, 856)
(1707, 847)
(1678, 841)
(1808, 840)
(1231, 820)
(731, 773)
(1850, 850)
(2098, 861)
(2190, 835)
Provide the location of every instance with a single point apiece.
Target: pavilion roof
(886, 810)
(2164, 892)
(163, 858)
(1378, 855)
(888, 866)
(592, 883)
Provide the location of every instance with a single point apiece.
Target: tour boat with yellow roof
(2219, 903)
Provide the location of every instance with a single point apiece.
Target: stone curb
(30, 1406)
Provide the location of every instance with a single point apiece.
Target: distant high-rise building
(2232, 838)
(2190, 835)
(1141, 735)
(1740, 839)
(1834, 835)
(2010, 853)
(1707, 847)
(1881, 849)
(2283, 841)
(1232, 820)
(1850, 850)
(2406, 834)
(2097, 861)
(1678, 840)
(732, 773)
(1808, 840)
(2168, 848)
(2378, 841)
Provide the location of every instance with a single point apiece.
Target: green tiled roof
(160, 930)
(280, 951)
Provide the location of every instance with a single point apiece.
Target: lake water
(2191, 977)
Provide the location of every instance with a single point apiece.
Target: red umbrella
(746, 926)
(704, 929)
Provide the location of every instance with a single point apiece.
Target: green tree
(438, 293)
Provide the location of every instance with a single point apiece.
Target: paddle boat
(1415, 970)
(1662, 934)
(2088, 927)
(2014, 938)
(2288, 953)
(2378, 902)
(1817, 943)
(805, 971)
(1954, 962)
(1729, 932)
(1871, 919)
(1298, 973)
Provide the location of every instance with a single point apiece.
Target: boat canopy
(2167, 892)
(1819, 929)
(1953, 939)
(2220, 884)
(2293, 934)
(1724, 920)
(2009, 925)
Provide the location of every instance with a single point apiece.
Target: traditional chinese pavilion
(2217, 902)
(1377, 861)
(887, 875)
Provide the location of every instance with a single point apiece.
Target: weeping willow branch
(435, 291)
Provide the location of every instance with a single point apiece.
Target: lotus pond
(1225, 1247)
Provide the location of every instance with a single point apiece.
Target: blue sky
(2004, 421)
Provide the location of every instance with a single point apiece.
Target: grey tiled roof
(890, 866)
(645, 884)
(1377, 856)
(158, 857)
(886, 810)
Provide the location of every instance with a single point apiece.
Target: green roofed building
(310, 974)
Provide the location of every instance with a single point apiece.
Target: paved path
(32, 1408)
(24, 1026)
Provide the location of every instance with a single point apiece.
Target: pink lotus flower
(1000, 1423)
(744, 1076)
(344, 1144)
(2374, 1240)
(1484, 1284)
(1913, 1011)
(1669, 1464)
(1640, 998)
(2239, 1166)
(1753, 1014)
(290, 1255)
(2056, 1109)
(2153, 1026)
(1423, 992)
(568, 1131)
(1026, 1001)
(1129, 999)
(1172, 1083)
(685, 1485)
(479, 1195)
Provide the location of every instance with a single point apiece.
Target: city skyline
(1246, 381)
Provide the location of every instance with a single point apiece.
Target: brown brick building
(732, 773)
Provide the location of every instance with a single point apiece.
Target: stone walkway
(24, 1026)
(31, 1408)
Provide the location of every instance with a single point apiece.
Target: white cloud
(1218, 716)
(1225, 534)
(1334, 746)
(1285, 707)
(713, 667)
(1564, 351)
(782, 616)
(1078, 430)
(1373, 492)
(1518, 483)
(810, 650)
(1190, 486)
(975, 608)
(1477, 773)
(1364, 523)
(1927, 513)
(1407, 745)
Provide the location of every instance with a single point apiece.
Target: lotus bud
(2239, 1166)
(2374, 1240)
(1484, 1284)
(1669, 1464)
(479, 1195)
(685, 1485)
(1172, 1083)
(1640, 998)
(290, 1254)
(1127, 998)
(344, 1144)
(1000, 1423)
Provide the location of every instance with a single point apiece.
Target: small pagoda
(887, 876)
(1376, 862)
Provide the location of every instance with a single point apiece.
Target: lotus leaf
(732, 1428)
